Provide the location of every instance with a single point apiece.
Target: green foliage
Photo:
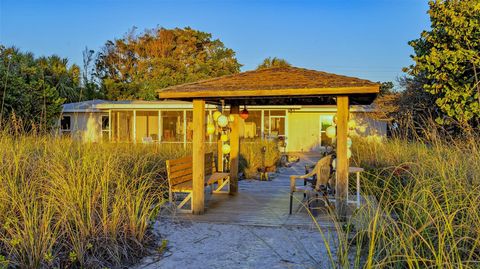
(273, 62)
(136, 65)
(447, 59)
(386, 87)
(33, 89)
(251, 156)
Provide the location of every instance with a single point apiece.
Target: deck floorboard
(261, 203)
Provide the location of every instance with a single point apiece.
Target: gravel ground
(208, 245)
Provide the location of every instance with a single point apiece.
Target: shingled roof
(296, 85)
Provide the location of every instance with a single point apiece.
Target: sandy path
(207, 245)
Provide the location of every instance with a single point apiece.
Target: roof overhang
(276, 86)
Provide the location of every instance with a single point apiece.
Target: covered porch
(275, 86)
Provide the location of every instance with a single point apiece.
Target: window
(325, 122)
(65, 124)
(105, 128)
(172, 126)
(253, 124)
(275, 123)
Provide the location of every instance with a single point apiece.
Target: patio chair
(322, 173)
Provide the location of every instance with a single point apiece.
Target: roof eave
(172, 94)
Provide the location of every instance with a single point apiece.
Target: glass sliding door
(325, 122)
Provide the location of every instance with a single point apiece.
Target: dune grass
(68, 204)
(426, 207)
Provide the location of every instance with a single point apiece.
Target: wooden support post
(185, 128)
(234, 148)
(110, 125)
(159, 121)
(342, 160)
(219, 154)
(118, 126)
(198, 157)
(134, 126)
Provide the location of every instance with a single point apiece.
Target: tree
(447, 60)
(273, 62)
(89, 87)
(136, 65)
(34, 89)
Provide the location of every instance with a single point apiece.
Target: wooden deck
(261, 203)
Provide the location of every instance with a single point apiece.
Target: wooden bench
(179, 172)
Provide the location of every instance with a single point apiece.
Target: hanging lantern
(222, 121)
(331, 132)
(362, 129)
(351, 124)
(334, 163)
(349, 153)
(349, 142)
(231, 118)
(335, 119)
(210, 128)
(216, 114)
(244, 113)
(226, 149)
(224, 137)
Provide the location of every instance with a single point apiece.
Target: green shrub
(251, 155)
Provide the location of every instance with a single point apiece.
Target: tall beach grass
(69, 204)
(422, 209)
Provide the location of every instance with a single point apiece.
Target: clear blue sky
(362, 38)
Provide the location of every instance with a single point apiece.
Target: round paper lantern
(224, 137)
(331, 132)
(334, 163)
(222, 121)
(216, 114)
(226, 149)
(362, 129)
(244, 114)
(349, 153)
(351, 124)
(231, 118)
(349, 142)
(210, 128)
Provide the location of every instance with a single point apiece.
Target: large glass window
(253, 124)
(275, 123)
(325, 122)
(147, 126)
(105, 127)
(172, 126)
(66, 123)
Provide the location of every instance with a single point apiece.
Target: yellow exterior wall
(303, 131)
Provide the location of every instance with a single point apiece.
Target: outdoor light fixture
(210, 128)
(216, 114)
(222, 121)
(352, 124)
(331, 132)
(244, 113)
(349, 142)
(226, 149)
(224, 137)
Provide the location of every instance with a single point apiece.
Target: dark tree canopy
(273, 62)
(447, 60)
(136, 65)
(33, 89)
